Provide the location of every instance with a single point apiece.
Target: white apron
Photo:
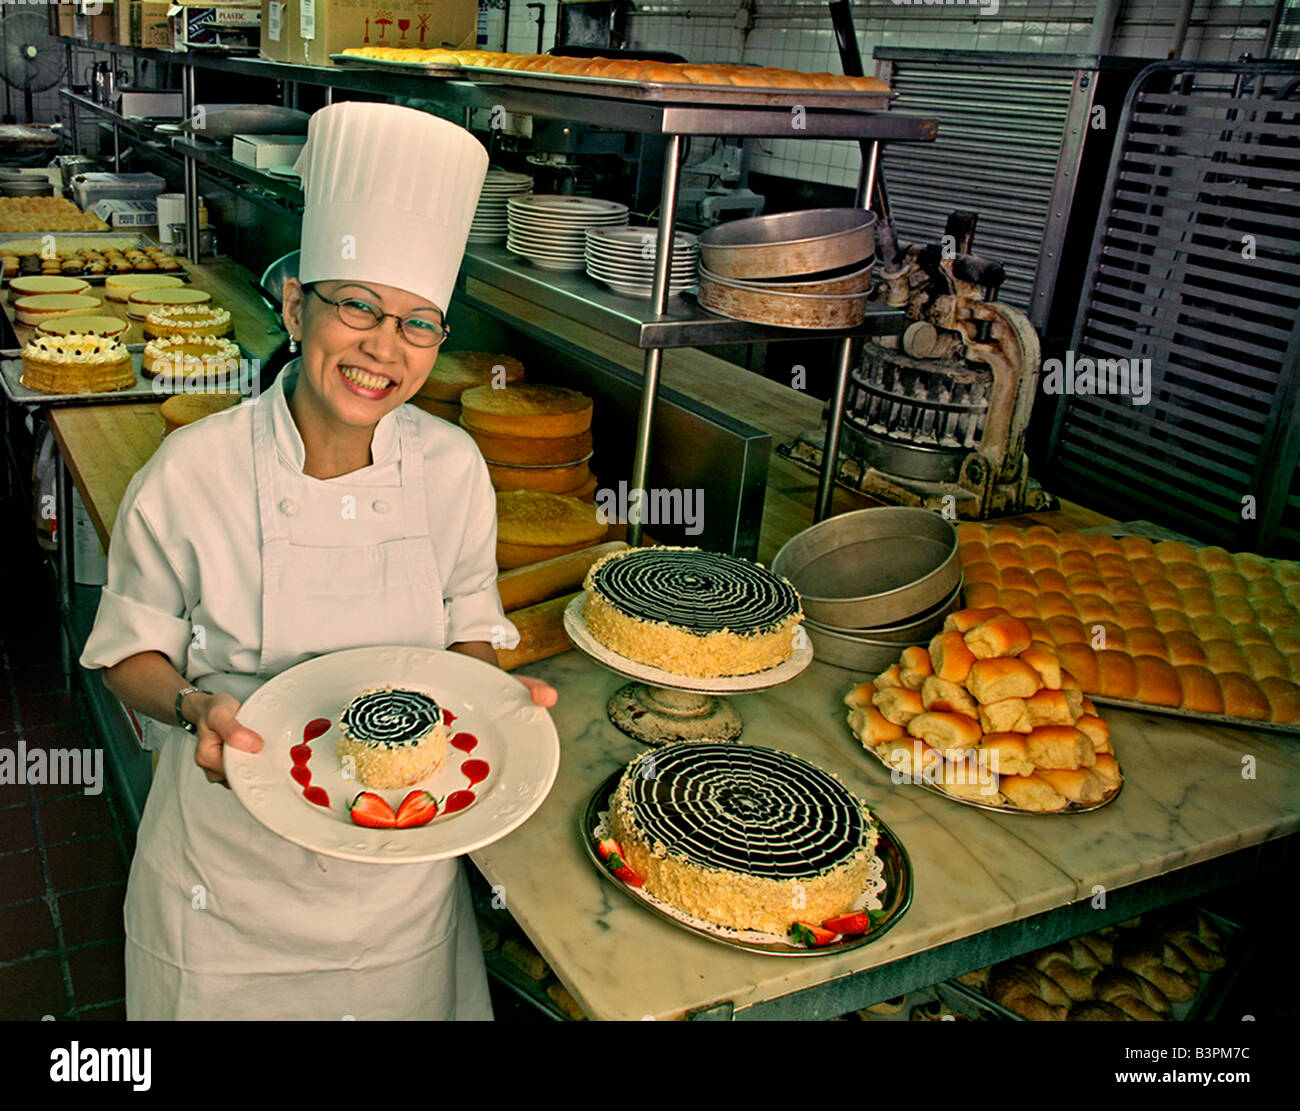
(227, 920)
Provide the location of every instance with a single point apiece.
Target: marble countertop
(1185, 800)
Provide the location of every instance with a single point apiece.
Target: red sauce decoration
(317, 728)
(464, 741)
(457, 800)
(475, 770)
(300, 754)
(448, 717)
(316, 795)
(302, 774)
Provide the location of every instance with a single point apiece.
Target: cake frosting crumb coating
(742, 836)
(396, 737)
(690, 612)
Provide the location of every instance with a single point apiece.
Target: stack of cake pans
(872, 582)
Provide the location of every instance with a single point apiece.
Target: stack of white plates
(624, 259)
(549, 229)
(490, 222)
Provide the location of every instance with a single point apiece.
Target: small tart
(77, 364)
(141, 303)
(119, 287)
(83, 326)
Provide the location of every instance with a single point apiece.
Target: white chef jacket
(223, 917)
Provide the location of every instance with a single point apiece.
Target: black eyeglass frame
(380, 317)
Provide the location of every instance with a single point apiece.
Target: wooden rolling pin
(526, 586)
(541, 633)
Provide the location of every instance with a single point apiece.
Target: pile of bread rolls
(627, 69)
(1161, 623)
(46, 214)
(1133, 972)
(989, 715)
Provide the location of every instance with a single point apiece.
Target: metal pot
(27, 187)
(207, 240)
(789, 244)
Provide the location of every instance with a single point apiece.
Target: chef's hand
(219, 727)
(542, 692)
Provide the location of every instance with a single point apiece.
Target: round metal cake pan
(851, 652)
(872, 567)
(915, 630)
(761, 305)
(859, 281)
(789, 244)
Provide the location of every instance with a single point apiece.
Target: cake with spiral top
(742, 836)
(395, 736)
(691, 612)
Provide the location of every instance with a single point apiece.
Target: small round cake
(529, 411)
(77, 364)
(458, 371)
(186, 408)
(191, 357)
(119, 287)
(395, 736)
(144, 301)
(39, 307)
(691, 612)
(533, 525)
(187, 320)
(83, 326)
(742, 836)
(46, 283)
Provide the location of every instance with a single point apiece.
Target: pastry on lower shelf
(396, 737)
(105, 326)
(187, 320)
(34, 309)
(119, 287)
(144, 301)
(742, 836)
(692, 612)
(77, 364)
(533, 525)
(562, 999)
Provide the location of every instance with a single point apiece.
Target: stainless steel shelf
(630, 319)
(212, 156)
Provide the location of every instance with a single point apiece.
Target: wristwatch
(185, 723)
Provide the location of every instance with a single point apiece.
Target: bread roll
(1100, 945)
(1007, 754)
(1214, 559)
(996, 679)
(1067, 630)
(860, 695)
(1150, 641)
(911, 758)
(1283, 699)
(1032, 792)
(1039, 557)
(1007, 554)
(1018, 578)
(1111, 983)
(1060, 748)
(963, 620)
(1252, 566)
(1117, 675)
(890, 677)
(1224, 655)
(1051, 579)
(1211, 627)
(1100, 544)
(1075, 700)
(1079, 785)
(947, 698)
(872, 728)
(1171, 620)
(1247, 632)
(1265, 662)
(1010, 984)
(1077, 561)
(980, 572)
(947, 733)
(914, 667)
(950, 659)
(1242, 697)
(965, 778)
(1081, 661)
(1137, 547)
(1186, 575)
(1049, 707)
(1094, 1010)
(1093, 608)
(1134, 615)
(1201, 691)
(999, 636)
(1010, 715)
(1125, 590)
(1045, 661)
(1096, 730)
(1228, 584)
(1159, 594)
(898, 704)
(1083, 958)
(1067, 978)
(1148, 965)
(984, 594)
(1157, 682)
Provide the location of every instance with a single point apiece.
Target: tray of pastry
(1163, 626)
(143, 389)
(91, 256)
(988, 718)
(1174, 964)
(757, 91)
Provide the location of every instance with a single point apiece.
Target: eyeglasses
(363, 316)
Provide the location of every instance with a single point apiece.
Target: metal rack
(661, 325)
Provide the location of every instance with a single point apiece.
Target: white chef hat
(390, 194)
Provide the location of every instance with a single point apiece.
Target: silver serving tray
(1071, 809)
(897, 896)
(145, 389)
(1196, 715)
(666, 92)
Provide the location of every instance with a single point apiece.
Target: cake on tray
(691, 612)
(187, 320)
(741, 836)
(77, 364)
(395, 736)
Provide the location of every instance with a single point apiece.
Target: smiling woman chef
(327, 515)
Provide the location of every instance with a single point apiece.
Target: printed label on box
(307, 19)
(273, 21)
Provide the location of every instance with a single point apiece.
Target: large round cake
(395, 736)
(691, 612)
(742, 836)
(77, 364)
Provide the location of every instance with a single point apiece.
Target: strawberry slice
(609, 851)
(417, 809)
(850, 925)
(607, 847)
(805, 933)
(629, 877)
(371, 811)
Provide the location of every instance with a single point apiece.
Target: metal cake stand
(659, 707)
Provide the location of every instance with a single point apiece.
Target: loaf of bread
(1164, 624)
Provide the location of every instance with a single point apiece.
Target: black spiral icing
(704, 592)
(745, 809)
(390, 717)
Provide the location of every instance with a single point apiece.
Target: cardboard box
(127, 214)
(123, 20)
(138, 103)
(325, 27)
(95, 21)
(68, 20)
(149, 24)
(264, 152)
(215, 23)
(279, 30)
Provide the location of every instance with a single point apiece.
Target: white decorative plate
(515, 737)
